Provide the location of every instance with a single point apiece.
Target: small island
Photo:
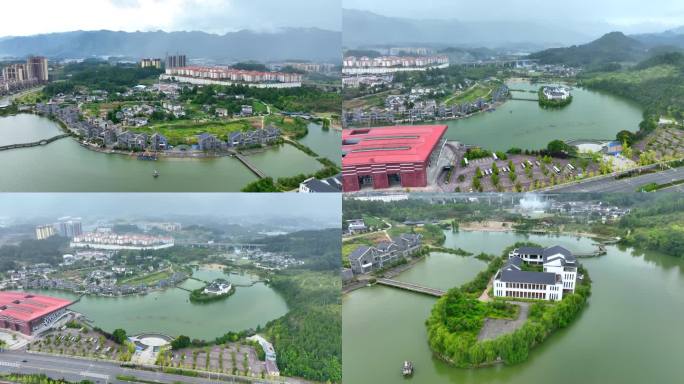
(218, 289)
(522, 298)
(551, 96)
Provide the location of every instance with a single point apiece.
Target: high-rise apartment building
(176, 61)
(69, 226)
(45, 231)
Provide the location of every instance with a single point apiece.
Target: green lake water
(170, 311)
(628, 333)
(524, 124)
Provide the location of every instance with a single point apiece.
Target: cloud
(215, 16)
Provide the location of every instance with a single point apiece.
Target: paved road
(628, 184)
(75, 370)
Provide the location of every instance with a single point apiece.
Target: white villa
(218, 287)
(559, 274)
(556, 93)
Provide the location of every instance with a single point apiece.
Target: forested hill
(319, 248)
(613, 47)
(657, 225)
(291, 43)
(655, 83)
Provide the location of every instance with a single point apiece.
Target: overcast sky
(318, 206)
(631, 16)
(31, 17)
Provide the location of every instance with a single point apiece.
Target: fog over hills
(290, 43)
(363, 28)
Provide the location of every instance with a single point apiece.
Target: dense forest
(100, 75)
(414, 209)
(301, 99)
(308, 340)
(32, 251)
(612, 47)
(657, 225)
(656, 84)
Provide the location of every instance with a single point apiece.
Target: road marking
(9, 364)
(95, 375)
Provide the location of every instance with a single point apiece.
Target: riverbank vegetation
(656, 226)
(308, 340)
(653, 83)
(457, 318)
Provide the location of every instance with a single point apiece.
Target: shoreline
(363, 282)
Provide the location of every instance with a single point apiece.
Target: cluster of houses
(556, 277)
(98, 282)
(114, 136)
(413, 107)
(365, 259)
(589, 211)
(259, 136)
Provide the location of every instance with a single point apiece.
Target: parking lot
(515, 173)
(232, 358)
(81, 342)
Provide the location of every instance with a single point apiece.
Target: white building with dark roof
(558, 275)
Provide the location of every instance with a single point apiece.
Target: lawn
(148, 279)
(185, 131)
(471, 94)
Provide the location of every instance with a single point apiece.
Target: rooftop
(26, 307)
(515, 276)
(397, 144)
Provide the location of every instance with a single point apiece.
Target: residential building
(557, 277)
(69, 226)
(151, 63)
(176, 61)
(365, 259)
(158, 142)
(45, 231)
(208, 142)
(314, 185)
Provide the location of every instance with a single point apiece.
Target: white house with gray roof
(558, 276)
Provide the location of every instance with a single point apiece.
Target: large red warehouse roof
(398, 144)
(26, 306)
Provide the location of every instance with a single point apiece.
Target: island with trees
(457, 318)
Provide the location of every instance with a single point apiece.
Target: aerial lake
(628, 332)
(524, 124)
(64, 166)
(169, 311)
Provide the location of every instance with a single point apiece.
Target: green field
(471, 94)
(148, 279)
(185, 131)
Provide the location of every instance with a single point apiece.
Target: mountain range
(367, 29)
(613, 47)
(363, 28)
(292, 43)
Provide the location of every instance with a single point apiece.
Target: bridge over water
(258, 172)
(33, 144)
(412, 287)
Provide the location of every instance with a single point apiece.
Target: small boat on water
(155, 174)
(407, 369)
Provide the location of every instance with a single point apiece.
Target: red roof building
(388, 156)
(25, 312)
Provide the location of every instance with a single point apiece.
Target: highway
(75, 370)
(630, 184)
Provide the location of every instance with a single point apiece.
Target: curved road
(630, 184)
